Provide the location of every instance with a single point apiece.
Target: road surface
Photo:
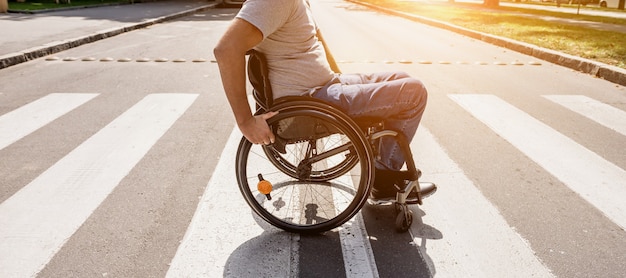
(124, 168)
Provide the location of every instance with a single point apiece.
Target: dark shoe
(388, 183)
(426, 189)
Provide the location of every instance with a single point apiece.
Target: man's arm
(230, 54)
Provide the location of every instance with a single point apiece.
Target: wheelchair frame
(325, 119)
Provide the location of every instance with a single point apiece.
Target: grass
(522, 24)
(35, 5)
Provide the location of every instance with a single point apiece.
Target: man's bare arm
(230, 54)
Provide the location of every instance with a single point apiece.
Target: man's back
(295, 56)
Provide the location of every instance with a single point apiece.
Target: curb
(15, 58)
(64, 9)
(607, 72)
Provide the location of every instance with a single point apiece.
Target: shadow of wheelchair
(276, 253)
(406, 254)
(424, 232)
(266, 255)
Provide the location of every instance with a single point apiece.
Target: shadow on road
(396, 254)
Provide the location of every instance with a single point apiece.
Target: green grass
(582, 7)
(522, 25)
(35, 5)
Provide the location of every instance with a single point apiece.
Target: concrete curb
(64, 9)
(15, 58)
(607, 72)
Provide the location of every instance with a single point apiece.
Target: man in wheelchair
(299, 64)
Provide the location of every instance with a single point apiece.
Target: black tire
(325, 194)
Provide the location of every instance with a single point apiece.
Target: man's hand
(256, 130)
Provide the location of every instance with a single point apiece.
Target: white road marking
(599, 112)
(597, 180)
(358, 257)
(465, 234)
(37, 220)
(30, 117)
(226, 239)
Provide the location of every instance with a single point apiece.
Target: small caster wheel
(404, 219)
(397, 208)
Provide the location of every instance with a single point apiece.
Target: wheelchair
(318, 173)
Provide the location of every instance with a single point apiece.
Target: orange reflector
(265, 187)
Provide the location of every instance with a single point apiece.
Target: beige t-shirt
(296, 58)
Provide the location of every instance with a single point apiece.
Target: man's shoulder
(269, 8)
(277, 4)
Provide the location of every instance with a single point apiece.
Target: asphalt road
(125, 169)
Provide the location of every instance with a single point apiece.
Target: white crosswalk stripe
(226, 239)
(224, 226)
(20, 122)
(603, 114)
(37, 220)
(469, 221)
(597, 180)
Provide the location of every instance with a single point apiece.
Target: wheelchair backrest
(258, 74)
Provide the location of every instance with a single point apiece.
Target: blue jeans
(393, 96)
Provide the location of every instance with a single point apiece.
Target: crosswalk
(224, 238)
(601, 183)
(37, 220)
(26, 119)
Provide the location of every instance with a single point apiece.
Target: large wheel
(320, 182)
